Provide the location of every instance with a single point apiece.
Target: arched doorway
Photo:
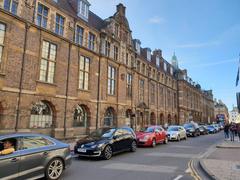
(41, 116)
(152, 119)
(81, 116)
(129, 120)
(109, 117)
(162, 119)
(169, 119)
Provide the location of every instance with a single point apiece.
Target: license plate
(82, 150)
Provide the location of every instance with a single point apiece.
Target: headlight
(191, 130)
(146, 138)
(100, 145)
(93, 146)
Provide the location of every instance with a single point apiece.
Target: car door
(34, 153)
(162, 134)
(118, 139)
(9, 164)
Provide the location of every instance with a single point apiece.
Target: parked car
(211, 129)
(192, 129)
(34, 156)
(105, 142)
(151, 136)
(216, 127)
(203, 130)
(176, 133)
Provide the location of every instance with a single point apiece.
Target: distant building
(233, 114)
(220, 111)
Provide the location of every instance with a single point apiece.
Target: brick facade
(21, 89)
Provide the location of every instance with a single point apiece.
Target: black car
(105, 142)
(192, 129)
(203, 130)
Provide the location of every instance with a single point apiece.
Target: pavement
(164, 162)
(223, 161)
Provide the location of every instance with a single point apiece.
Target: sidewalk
(224, 162)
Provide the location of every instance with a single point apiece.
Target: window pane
(86, 81)
(2, 33)
(7, 5)
(52, 52)
(35, 142)
(45, 49)
(81, 64)
(14, 7)
(1, 50)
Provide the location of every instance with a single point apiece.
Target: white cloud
(156, 20)
(199, 45)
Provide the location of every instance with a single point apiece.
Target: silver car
(35, 156)
(176, 133)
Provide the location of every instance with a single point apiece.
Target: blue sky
(204, 34)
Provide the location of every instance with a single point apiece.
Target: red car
(151, 136)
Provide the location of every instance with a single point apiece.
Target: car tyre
(54, 169)
(133, 146)
(154, 143)
(107, 152)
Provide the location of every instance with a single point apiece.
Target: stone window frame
(83, 82)
(11, 3)
(2, 46)
(91, 41)
(112, 79)
(42, 15)
(79, 38)
(152, 92)
(59, 25)
(48, 60)
(116, 52)
(129, 84)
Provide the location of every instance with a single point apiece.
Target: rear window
(32, 142)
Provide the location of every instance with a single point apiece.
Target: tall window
(59, 29)
(80, 117)
(127, 59)
(2, 35)
(107, 48)
(79, 35)
(84, 73)
(11, 6)
(129, 85)
(141, 90)
(115, 53)
(116, 30)
(91, 41)
(42, 15)
(152, 93)
(161, 92)
(41, 115)
(111, 80)
(143, 68)
(48, 62)
(109, 117)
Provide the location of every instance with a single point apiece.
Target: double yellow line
(193, 172)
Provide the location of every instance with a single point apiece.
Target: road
(164, 162)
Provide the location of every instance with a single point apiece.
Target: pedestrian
(238, 131)
(226, 131)
(232, 131)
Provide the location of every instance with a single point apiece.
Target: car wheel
(154, 143)
(54, 169)
(133, 146)
(166, 140)
(107, 152)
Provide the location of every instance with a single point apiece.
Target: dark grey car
(35, 156)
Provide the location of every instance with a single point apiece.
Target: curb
(227, 147)
(207, 172)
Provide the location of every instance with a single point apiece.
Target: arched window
(41, 115)
(80, 116)
(109, 117)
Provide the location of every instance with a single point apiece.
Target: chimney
(121, 9)
(157, 52)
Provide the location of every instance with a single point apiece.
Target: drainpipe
(66, 99)
(27, 26)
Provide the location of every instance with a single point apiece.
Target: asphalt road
(164, 162)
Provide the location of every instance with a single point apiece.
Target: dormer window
(83, 9)
(165, 66)
(148, 55)
(158, 61)
(137, 46)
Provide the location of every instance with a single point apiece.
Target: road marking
(175, 155)
(142, 168)
(178, 177)
(187, 147)
(193, 172)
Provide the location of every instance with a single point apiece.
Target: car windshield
(210, 127)
(173, 128)
(104, 133)
(188, 126)
(148, 130)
